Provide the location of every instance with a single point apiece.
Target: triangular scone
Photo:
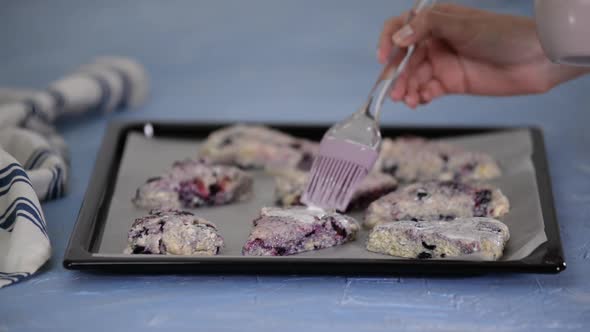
(173, 232)
(483, 238)
(258, 147)
(281, 232)
(438, 200)
(411, 159)
(194, 183)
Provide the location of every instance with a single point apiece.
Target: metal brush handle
(391, 72)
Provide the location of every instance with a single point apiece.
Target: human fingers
(385, 43)
(444, 21)
(432, 90)
(400, 87)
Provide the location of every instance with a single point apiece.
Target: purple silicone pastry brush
(350, 148)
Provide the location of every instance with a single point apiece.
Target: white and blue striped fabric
(34, 159)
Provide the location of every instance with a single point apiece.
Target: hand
(461, 50)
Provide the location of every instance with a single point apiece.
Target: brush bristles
(332, 182)
(336, 171)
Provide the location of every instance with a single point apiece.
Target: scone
(258, 147)
(438, 200)
(194, 183)
(173, 232)
(411, 159)
(281, 232)
(484, 238)
(290, 184)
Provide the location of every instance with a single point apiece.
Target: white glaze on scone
(281, 232)
(484, 238)
(438, 200)
(251, 146)
(173, 232)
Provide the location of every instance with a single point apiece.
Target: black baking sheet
(125, 161)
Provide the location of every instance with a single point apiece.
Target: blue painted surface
(304, 61)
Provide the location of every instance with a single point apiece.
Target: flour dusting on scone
(483, 238)
(411, 159)
(290, 184)
(258, 147)
(281, 232)
(195, 183)
(173, 232)
(438, 200)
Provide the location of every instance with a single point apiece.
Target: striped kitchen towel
(34, 158)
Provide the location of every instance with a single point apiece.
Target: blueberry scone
(412, 159)
(290, 184)
(173, 232)
(281, 232)
(438, 200)
(194, 183)
(256, 147)
(483, 238)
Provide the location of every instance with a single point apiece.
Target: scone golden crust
(258, 147)
(281, 232)
(173, 232)
(438, 200)
(290, 184)
(411, 159)
(484, 238)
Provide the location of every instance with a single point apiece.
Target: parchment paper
(145, 157)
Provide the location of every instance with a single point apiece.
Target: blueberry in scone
(484, 238)
(438, 200)
(290, 184)
(258, 147)
(281, 232)
(173, 232)
(194, 183)
(412, 159)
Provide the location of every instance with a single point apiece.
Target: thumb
(441, 21)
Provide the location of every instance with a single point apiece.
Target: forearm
(555, 73)
(519, 66)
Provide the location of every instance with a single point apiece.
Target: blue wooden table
(304, 61)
